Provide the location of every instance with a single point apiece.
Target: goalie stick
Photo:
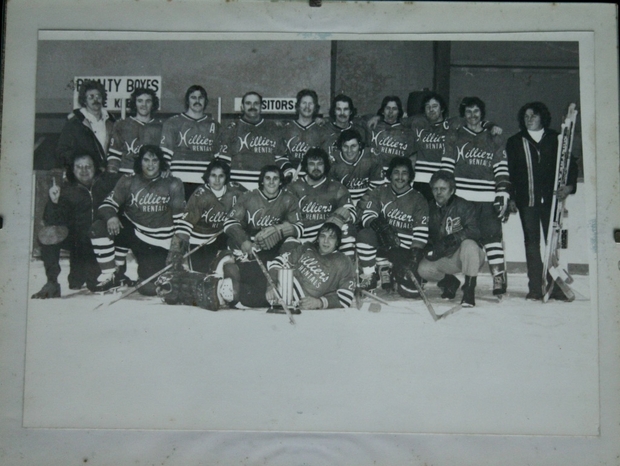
(275, 288)
(551, 260)
(147, 280)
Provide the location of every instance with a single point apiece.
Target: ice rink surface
(515, 367)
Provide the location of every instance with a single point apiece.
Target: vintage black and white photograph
(312, 233)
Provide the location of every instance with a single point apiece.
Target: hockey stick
(428, 304)
(147, 280)
(358, 291)
(275, 288)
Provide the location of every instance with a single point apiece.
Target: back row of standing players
(342, 180)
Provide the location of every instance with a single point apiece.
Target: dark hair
(192, 89)
(342, 98)
(153, 149)
(266, 169)
(539, 109)
(444, 175)
(69, 166)
(330, 226)
(472, 102)
(133, 109)
(391, 98)
(260, 97)
(217, 164)
(315, 153)
(89, 85)
(347, 135)
(439, 99)
(305, 93)
(400, 162)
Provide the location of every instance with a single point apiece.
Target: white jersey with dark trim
(254, 212)
(191, 145)
(329, 276)
(388, 141)
(298, 139)
(319, 202)
(248, 147)
(128, 136)
(155, 207)
(205, 214)
(359, 176)
(479, 164)
(407, 213)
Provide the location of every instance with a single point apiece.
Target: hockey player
(389, 138)
(68, 217)
(356, 167)
(190, 140)
(260, 221)
(478, 161)
(323, 277)
(304, 132)
(394, 218)
(321, 199)
(453, 241)
(343, 115)
(89, 128)
(251, 142)
(130, 134)
(141, 213)
(204, 217)
(532, 155)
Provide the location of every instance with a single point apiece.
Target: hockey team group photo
(395, 190)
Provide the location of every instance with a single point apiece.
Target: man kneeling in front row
(452, 245)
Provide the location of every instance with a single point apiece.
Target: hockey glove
(500, 204)
(404, 261)
(445, 247)
(178, 248)
(268, 237)
(385, 233)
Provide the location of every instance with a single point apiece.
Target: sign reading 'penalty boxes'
(118, 88)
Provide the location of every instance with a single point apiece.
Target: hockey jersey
(388, 141)
(298, 139)
(253, 212)
(330, 276)
(248, 147)
(190, 144)
(332, 133)
(316, 204)
(155, 207)
(479, 164)
(128, 136)
(407, 213)
(359, 176)
(205, 214)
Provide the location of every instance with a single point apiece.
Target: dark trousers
(83, 267)
(531, 220)
(202, 260)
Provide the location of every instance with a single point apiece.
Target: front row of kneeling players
(146, 213)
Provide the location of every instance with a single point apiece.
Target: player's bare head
(329, 229)
(316, 153)
(428, 102)
(394, 100)
(269, 169)
(150, 149)
(400, 162)
(78, 164)
(217, 164)
(344, 99)
(443, 175)
(191, 90)
(139, 92)
(471, 102)
(348, 135)
(538, 108)
(91, 85)
(252, 93)
(315, 99)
